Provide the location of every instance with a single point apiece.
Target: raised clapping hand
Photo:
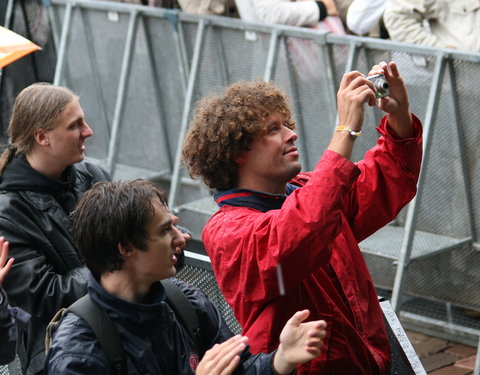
(222, 359)
(299, 343)
(4, 264)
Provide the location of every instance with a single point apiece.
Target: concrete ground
(443, 357)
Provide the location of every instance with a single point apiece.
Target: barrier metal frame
(189, 75)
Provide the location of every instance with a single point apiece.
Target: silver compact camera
(382, 88)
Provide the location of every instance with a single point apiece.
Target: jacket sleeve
(364, 15)
(33, 283)
(404, 22)
(387, 181)
(250, 244)
(285, 12)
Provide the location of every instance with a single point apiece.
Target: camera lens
(382, 85)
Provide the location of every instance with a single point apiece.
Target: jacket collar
(253, 199)
(124, 310)
(19, 175)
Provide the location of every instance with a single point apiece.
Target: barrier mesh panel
(445, 277)
(467, 81)
(93, 60)
(301, 72)
(205, 280)
(154, 99)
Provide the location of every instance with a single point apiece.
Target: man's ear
(125, 250)
(41, 136)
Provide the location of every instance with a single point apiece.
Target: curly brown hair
(225, 126)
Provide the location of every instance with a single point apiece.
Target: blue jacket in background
(9, 317)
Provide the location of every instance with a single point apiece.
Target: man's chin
(294, 170)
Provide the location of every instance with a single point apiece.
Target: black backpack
(107, 334)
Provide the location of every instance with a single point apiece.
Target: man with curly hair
(273, 217)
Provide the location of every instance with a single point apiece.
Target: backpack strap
(106, 332)
(184, 311)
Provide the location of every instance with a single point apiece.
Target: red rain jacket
(314, 236)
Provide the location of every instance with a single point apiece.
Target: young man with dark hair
(128, 239)
(283, 240)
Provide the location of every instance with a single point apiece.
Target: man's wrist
(279, 365)
(354, 133)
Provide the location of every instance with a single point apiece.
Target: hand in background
(331, 7)
(4, 264)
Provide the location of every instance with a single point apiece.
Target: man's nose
(179, 240)
(290, 135)
(87, 131)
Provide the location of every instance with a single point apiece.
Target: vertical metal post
(192, 79)
(67, 21)
(8, 20)
(476, 371)
(9, 14)
(223, 71)
(351, 63)
(271, 63)
(158, 96)
(95, 72)
(122, 89)
(181, 51)
(412, 214)
(467, 186)
(304, 157)
(330, 81)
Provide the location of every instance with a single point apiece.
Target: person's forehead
(71, 112)
(274, 116)
(161, 213)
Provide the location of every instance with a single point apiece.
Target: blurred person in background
(365, 17)
(435, 23)
(286, 12)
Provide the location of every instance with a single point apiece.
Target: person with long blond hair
(42, 175)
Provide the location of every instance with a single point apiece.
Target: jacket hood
(19, 175)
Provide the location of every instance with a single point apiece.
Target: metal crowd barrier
(139, 70)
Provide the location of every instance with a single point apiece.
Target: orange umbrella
(13, 46)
